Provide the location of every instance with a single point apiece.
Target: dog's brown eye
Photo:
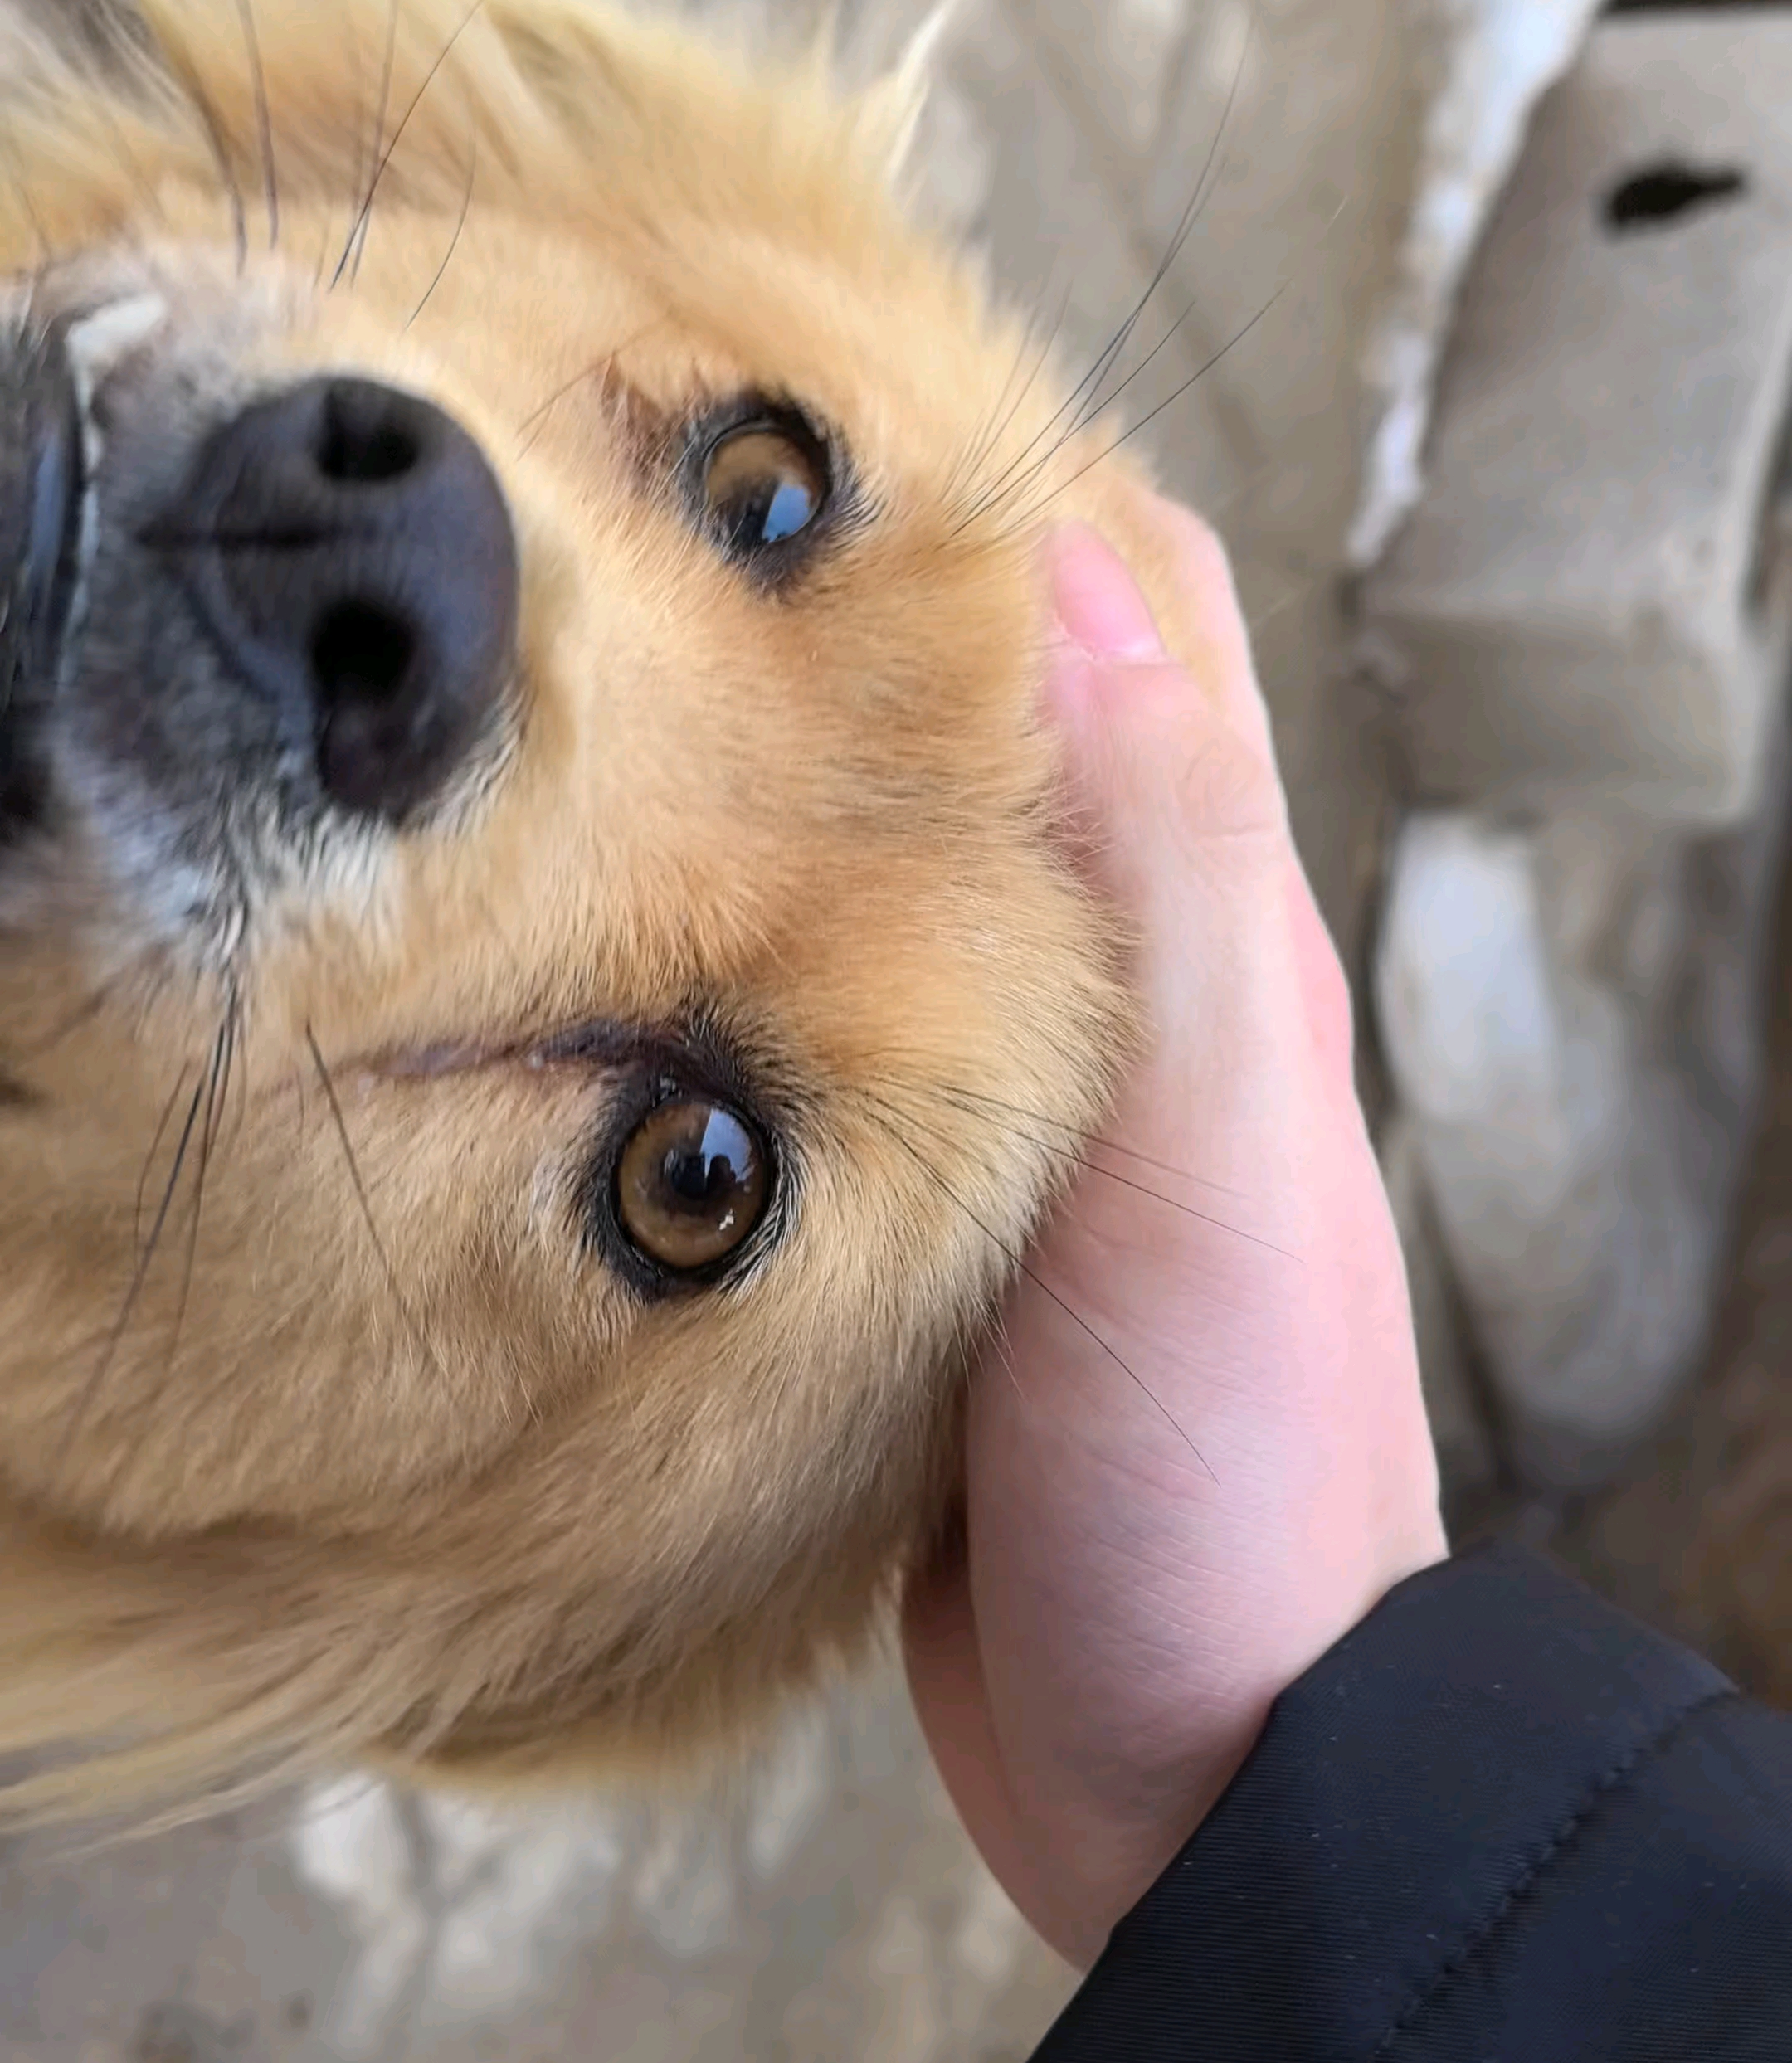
(763, 484)
(691, 1185)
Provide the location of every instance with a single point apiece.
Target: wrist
(1097, 1858)
(1110, 1828)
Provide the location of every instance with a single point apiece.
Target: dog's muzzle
(229, 611)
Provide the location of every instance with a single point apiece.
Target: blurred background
(1468, 322)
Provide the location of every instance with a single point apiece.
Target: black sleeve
(1500, 1823)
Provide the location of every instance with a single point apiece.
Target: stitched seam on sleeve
(1482, 1936)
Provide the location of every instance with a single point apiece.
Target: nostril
(360, 653)
(383, 730)
(363, 440)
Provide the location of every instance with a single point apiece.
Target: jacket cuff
(1404, 1790)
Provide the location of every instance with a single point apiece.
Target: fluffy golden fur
(325, 1431)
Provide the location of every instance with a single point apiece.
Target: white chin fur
(94, 347)
(99, 343)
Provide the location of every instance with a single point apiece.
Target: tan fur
(421, 1481)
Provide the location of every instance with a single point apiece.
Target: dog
(544, 983)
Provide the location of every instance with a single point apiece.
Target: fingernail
(1097, 600)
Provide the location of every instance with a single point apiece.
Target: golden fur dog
(540, 994)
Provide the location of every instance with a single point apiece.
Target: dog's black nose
(353, 551)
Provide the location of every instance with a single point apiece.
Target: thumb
(1173, 765)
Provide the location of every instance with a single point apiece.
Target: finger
(1144, 731)
(1178, 771)
(1183, 812)
(1100, 607)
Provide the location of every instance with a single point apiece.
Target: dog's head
(539, 1002)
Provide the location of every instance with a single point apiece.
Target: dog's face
(539, 998)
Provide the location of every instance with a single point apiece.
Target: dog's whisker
(90, 1390)
(358, 229)
(216, 142)
(84, 1013)
(995, 423)
(959, 1092)
(1076, 1153)
(400, 1303)
(1030, 516)
(326, 1081)
(382, 107)
(1019, 1261)
(223, 1053)
(991, 494)
(1091, 381)
(161, 1131)
(1002, 1347)
(1259, 618)
(453, 241)
(1206, 184)
(264, 119)
(361, 180)
(593, 369)
(1097, 408)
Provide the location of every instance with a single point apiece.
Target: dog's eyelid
(679, 1058)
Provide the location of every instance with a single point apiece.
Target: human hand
(1155, 1551)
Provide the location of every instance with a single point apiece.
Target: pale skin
(1153, 1556)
